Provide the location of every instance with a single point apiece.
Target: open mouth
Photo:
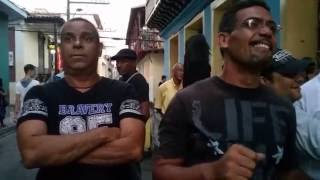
(262, 45)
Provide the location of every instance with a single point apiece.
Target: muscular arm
(238, 162)
(145, 109)
(39, 149)
(174, 170)
(127, 148)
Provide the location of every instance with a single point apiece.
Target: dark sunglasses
(254, 23)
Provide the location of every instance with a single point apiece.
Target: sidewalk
(8, 122)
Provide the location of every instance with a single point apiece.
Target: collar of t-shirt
(25, 82)
(239, 90)
(128, 77)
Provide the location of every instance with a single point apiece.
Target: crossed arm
(98, 146)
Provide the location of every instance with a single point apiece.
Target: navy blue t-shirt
(68, 111)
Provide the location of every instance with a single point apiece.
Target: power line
(103, 37)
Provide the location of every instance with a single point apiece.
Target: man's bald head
(93, 29)
(177, 72)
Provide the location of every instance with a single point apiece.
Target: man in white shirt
(308, 140)
(23, 86)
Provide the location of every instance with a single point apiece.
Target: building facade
(8, 12)
(178, 20)
(149, 47)
(34, 41)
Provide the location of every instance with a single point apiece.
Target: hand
(238, 163)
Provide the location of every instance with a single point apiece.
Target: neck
(131, 72)
(27, 76)
(82, 82)
(176, 81)
(239, 76)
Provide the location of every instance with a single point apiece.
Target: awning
(165, 12)
(40, 18)
(11, 10)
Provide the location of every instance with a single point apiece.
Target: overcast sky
(114, 17)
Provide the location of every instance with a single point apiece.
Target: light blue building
(8, 12)
(179, 20)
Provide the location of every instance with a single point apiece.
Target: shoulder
(166, 84)
(197, 91)
(112, 83)
(197, 88)
(35, 81)
(140, 77)
(311, 85)
(36, 91)
(139, 80)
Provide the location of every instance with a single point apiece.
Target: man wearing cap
(126, 60)
(284, 76)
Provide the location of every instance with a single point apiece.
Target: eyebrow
(253, 17)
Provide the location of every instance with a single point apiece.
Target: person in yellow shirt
(166, 92)
(168, 89)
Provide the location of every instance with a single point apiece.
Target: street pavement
(11, 167)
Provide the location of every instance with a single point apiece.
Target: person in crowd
(231, 126)
(23, 86)
(163, 79)
(166, 92)
(83, 126)
(311, 70)
(168, 89)
(3, 104)
(308, 120)
(196, 60)
(284, 76)
(126, 61)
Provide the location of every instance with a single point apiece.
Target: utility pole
(82, 2)
(68, 10)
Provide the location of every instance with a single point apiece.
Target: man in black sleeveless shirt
(82, 126)
(231, 127)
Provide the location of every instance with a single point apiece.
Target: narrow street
(11, 167)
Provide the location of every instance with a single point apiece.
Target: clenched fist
(238, 163)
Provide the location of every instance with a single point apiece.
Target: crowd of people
(258, 120)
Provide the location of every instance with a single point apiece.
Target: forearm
(173, 172)
(16, 108)
(119, 151)
(50, 150)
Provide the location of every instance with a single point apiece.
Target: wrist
(207, 171)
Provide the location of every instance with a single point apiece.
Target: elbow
(136, 154)
(29, 159)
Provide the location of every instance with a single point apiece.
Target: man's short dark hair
(84, 20)
(29, 67)
(229, 18)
